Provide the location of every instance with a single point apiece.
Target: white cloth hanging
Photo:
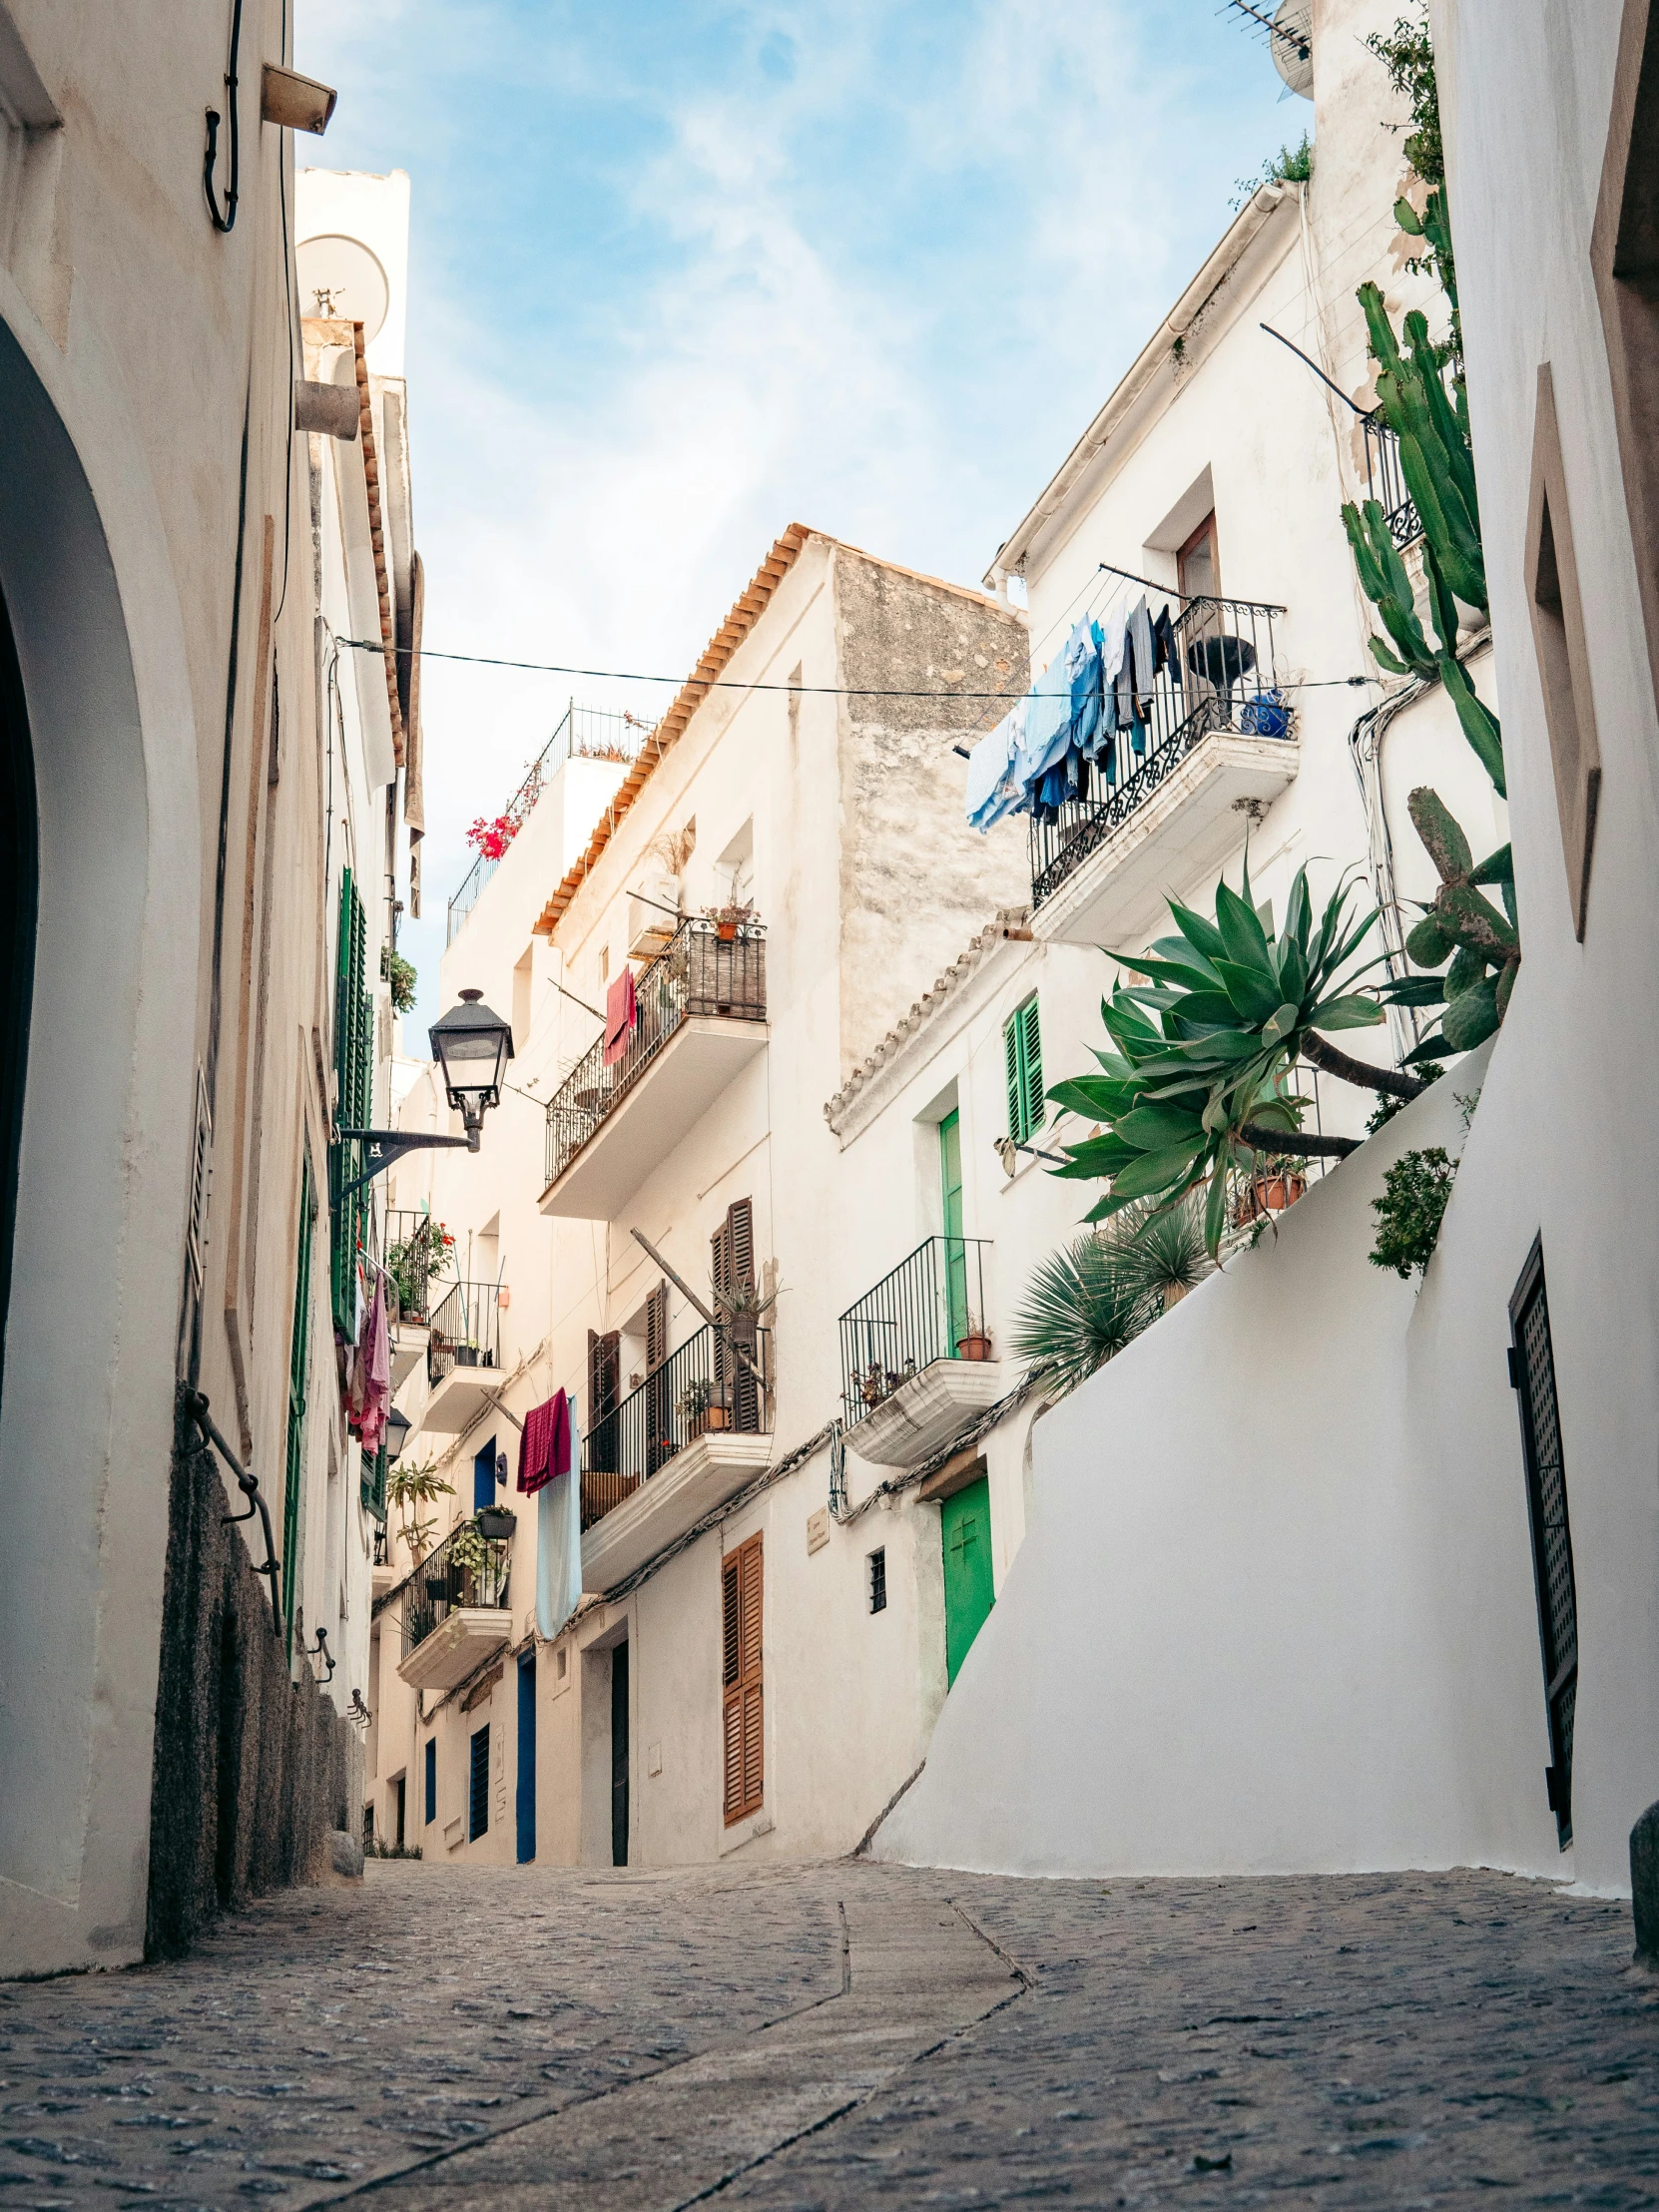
(559, 1544)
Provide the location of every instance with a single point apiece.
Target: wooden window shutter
(740, 1241)
(743, 1703)
(1010, 1059)
(1031, 1050)
(604, 1372)
(738, 1248)
(355, 1073)
(656, 1326)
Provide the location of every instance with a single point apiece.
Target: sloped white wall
(1274, 1611)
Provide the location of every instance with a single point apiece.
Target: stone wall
(252, 1769)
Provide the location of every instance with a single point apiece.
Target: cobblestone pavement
(849, 2034)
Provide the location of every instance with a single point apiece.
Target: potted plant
(1276, 1182)
(466, 1355)
(729, 918)
(692, 1406)
(975, 1342)
(408, 1488)
(469, 1559)
(496, 1524)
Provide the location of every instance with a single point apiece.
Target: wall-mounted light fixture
(295, 102)
(473, 1046)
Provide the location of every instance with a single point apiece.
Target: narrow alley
(845, 2034)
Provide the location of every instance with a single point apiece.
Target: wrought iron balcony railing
(467, 1330)
(699, 971)
(411, 1235)
(469, 1568)
(931, 1307)
(707, 1387)
(1386, 480)
(1221, 674)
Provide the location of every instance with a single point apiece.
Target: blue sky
(684, 273)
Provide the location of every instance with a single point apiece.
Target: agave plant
(1163, 1248)
(1198, 1079)
(1082, 1306)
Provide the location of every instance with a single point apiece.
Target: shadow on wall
(252, 1769)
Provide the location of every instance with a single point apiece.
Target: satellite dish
(339, 276)
(1292, 45)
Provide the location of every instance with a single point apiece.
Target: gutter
(1241, 235)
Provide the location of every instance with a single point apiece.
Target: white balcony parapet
(925, 1412)
(655, 1512)
(466, 1636)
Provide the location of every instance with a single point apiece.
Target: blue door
(527, 1757)
(483, 1477)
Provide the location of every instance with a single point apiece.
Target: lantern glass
(472, 1046)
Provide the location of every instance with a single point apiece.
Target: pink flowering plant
(492, 837)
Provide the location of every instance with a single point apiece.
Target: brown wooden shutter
(661, 1443)
(656, 1326)
(738, 1242)
(743, 1705)
(604, 1373)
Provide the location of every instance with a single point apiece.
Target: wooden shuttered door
(354, 1074)
(731, 1265)
(659, 1411)
(742, 1714)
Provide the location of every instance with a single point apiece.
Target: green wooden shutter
(354, 1070)
(1031, 1050)
(1022, 1055)
(300, 1360)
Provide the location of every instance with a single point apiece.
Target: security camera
(295, 103)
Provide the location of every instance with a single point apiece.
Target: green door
(965, 1525)
(955, 1252)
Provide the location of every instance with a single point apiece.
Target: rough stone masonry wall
(252, 1769)
(916, 882)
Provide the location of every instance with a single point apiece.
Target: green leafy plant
(1292, 164)
(1163, 1249)
(1082, 1306)
(1198, 1081)
(1407, 53)
(1410, 1212)
(400, 975)
(409, 1487)
(417, 1262)
(1387, 1107)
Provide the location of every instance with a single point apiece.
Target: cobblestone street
(849, 2034)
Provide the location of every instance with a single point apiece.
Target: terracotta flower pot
(727, 932)
(1273, 1193)
(976, 1347)
(714, 1418)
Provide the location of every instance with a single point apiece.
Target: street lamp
(473, 1046)
(397, 1434)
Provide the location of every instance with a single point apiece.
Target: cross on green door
(965, 1529)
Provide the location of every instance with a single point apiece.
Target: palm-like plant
(1163, 1248)
(1198, 1079)
(1082, 1306)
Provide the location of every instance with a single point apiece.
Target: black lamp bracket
(388, 1146)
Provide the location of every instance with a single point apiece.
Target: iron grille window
(1532, 1371)
(480, 1791)
(878, 1580)
(1022, 1053)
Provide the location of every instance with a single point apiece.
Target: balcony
(1386, 480)
(1216, 741)
(456, 1603)
(463, 1357)
(702, 1019)
(415, 1256)
(915, 1355)
(698, 1429)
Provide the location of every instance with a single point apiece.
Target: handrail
(921, 1312)
(717, 1382)
(195, 1405)
(699, 971)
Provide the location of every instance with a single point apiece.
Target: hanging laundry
(992, 788)
(559, 1544)
(621, 1017)
(375, 1355)
(544, 1446)
(1163, 637)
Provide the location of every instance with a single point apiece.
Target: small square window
(877, 1564)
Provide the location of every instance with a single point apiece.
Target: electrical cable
(226, 219)
(797, 691)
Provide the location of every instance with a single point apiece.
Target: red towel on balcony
(544, 1447)
(621, 1015)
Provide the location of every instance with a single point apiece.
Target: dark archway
(19, 898)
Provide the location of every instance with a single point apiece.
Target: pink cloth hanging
(544, 1443)
(375, 1351)
(621, 1017)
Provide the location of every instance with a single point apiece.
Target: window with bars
(1022, 1054)
(1532, 1372)
(742, 1709)
(877, 1580)
(354, 1071)
(479, 1792)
